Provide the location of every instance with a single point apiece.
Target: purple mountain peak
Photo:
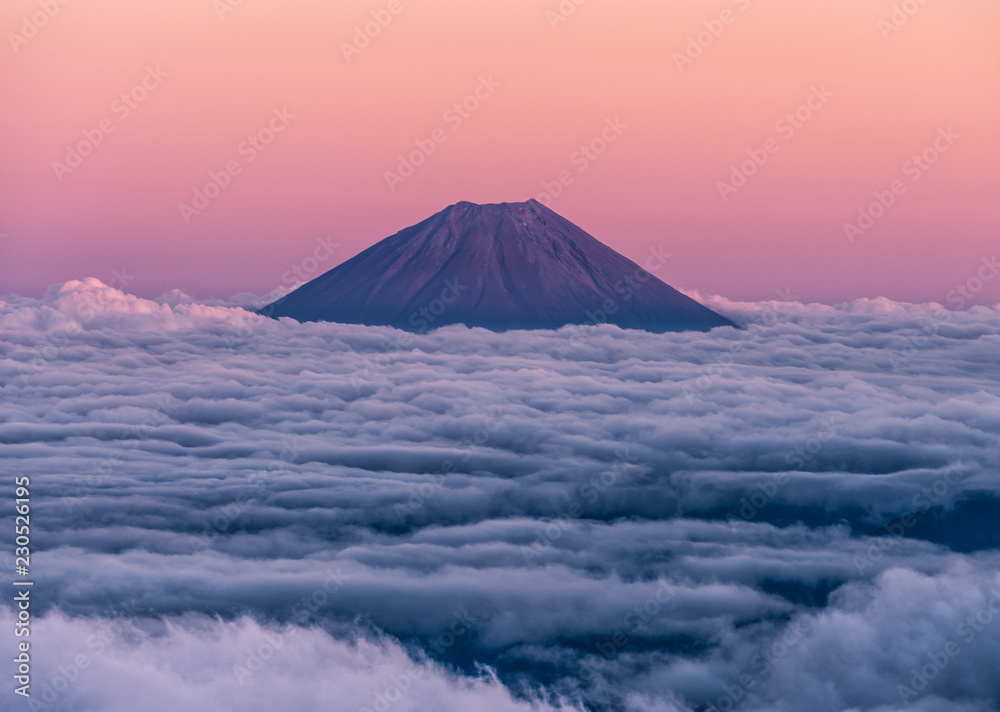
(500, 266)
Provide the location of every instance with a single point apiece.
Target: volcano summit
(502, 266)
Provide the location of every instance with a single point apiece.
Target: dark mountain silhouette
(502, 266)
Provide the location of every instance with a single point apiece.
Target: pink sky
(212, 80)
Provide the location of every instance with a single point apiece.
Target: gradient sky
(655, 186)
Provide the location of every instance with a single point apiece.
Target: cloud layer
(798, 514)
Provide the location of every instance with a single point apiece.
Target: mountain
(501, 266)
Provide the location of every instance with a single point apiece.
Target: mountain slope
(502, 266)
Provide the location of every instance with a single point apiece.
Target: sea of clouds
(235, 513)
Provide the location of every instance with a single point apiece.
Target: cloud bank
(797, 514)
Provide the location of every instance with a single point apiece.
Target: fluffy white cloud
(200, 664)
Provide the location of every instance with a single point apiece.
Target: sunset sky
(667, 120)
